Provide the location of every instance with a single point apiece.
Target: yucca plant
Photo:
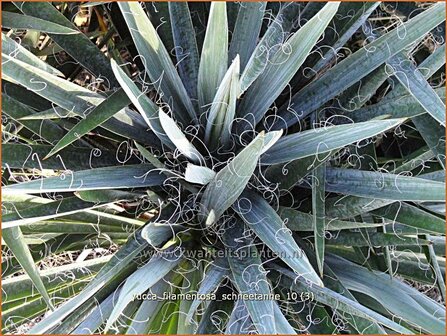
(272, 168)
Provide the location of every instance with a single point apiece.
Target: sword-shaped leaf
(53, 113)
(214, 275)
(189, 286)
(270, 42)
(223, 108)
(427, 68)
(413, 80)
(399, 298)
(19, 21)
(397, 106)
(412, 216)
(250, 278)
(157, 61)
(282, 324)
(177, 137)
(131, 176)
(147, 108)
(283, 66)
(240, 322)
(16, 155)
(78, 46)
(358, 65)
(246, 31)
(337, 301)
(59, 208)
(269, 227)
(97, 317)
(186, 45)
(359, 239)
(348, 20)
(22, 286)
(322, 140)
(141, 280)
(290, 173)
(230, 182)
(101, 113)
(12, 48)
(300, 221)
(430, 130)
(72, 97)
(433, 134)
(158, 233)
(149, 309)
(352, 206)
(199, 174)
(331, 282)
(383, 185)
(114, 270)
(214, 58)
(318, 212)
(15, 241)
(431, 257)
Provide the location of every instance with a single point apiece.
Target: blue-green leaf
(147, 108)
(338, 301)
(318, 212)
(283, 66)
(131, 176)
(104, 111)
(177, 137)
(300, 221)
(398, 298)
(412, 216)
(143, 279)
(214, 275)
(269, 227)
(78, 46)
(250, 278)
(186, 45)
(19, 21)
(414, 81)
(15, 240)
(383, 185)
(72, 97)
(323, 140)
(230, 182)
(156, 233)
(358, 65)
(157, 61)
(30, 156)
(58, 208)
(223, 108)
(246, 30)
(12, 48)
(199, 174)
(270, 42)
(214, 58)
